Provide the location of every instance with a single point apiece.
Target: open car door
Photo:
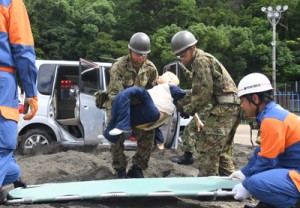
(91, 117)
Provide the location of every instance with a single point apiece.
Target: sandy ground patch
(57, 164)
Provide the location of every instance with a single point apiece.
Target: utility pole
(274, 16)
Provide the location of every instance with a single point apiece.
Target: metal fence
(288, 87)
(288, 96)
(289, 101)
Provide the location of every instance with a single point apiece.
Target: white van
(67, 112)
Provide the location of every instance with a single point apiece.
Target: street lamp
(274, 16)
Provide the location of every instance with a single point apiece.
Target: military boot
(121, 173)
(20, 183)
(186, 159)
(135, 172)
(259, 205)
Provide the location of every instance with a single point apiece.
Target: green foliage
(150, 16)
(161, 48)
(64, 29)
(294, 46)
(105, 49)
(234, 31)
(209, 16)
(292, 73)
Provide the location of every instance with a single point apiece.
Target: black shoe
(186, 159)
(20, 183)
(4, 197)
(135, 172)
(260, 205)
(121, 173)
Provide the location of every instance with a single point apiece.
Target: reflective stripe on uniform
(7, 69)
(10, 113)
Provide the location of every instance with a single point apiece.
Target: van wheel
(32, 139)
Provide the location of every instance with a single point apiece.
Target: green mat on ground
(177, 186)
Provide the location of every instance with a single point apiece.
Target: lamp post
(274, 16)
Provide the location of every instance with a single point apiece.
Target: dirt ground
(54, 163)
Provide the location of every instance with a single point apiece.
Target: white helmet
(253, 83)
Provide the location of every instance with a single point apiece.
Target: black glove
(184, 115)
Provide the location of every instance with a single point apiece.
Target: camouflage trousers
(190, 136)
(191, 133)
(215, 143)
(141, 157)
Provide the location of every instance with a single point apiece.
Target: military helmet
(140, 43)
(254, 83)
(182, 40)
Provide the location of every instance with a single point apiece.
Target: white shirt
(161, 96)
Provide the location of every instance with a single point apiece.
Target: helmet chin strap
(257, 110)
(257, 105)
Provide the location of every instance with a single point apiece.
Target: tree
(235, 31)
(161, 45)
(149, 16)
(62, 26)
(106, 49)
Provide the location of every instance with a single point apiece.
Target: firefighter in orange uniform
(17, 56)
(272, 174)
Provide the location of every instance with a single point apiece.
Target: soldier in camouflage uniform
(191, 132)
(211, 84)
(133, 69)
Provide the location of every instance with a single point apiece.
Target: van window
(107, 76)
(90, 81)
(46, 78)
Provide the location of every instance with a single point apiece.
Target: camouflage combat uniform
(122, 76)
(212, 84)
(191, 133)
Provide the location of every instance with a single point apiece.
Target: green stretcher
(142, 187)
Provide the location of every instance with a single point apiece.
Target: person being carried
(272, 174)
(144, 109)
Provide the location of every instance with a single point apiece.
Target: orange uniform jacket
(16, 50)
(280, 143)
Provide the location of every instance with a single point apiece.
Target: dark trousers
(124, 115)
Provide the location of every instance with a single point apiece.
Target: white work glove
(238, 174)
(241, 192)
